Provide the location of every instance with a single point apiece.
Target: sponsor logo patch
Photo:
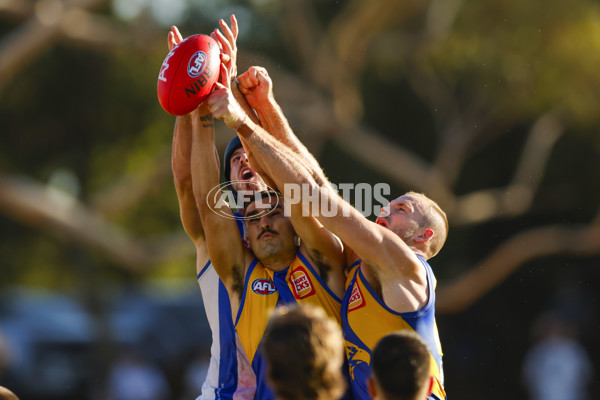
(356, 299)
(301, 283)
(263, 287)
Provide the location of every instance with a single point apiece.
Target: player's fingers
(263, 76)
(216, 96)
(244, 81)
(234, 26)
(224, 77)
(226, 31)
(225, 44)
(171, 41)
(177, 34)
(250, 76)
(219, 85)
(244, 89)
(260, 71)
(255, 79)
(216, 39)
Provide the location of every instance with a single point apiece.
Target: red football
(188, 74)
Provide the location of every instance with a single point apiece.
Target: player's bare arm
(389, 260)
(227, 38)
(223, 243)
(393, 266)
(392, 261)
(322, 247)
(180, 164)
(226, 251)
(257, 87)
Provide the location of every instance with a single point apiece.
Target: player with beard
(278, 268)
(289, 259)
(391, 287)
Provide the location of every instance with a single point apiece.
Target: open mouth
(382, 222)
(246, 174)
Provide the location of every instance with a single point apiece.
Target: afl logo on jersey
(356, 299)
(196, 64)
(301, 283)
(263, 287)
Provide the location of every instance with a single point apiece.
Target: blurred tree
(488, 107)
(499, 76)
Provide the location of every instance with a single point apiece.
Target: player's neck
(278, 263)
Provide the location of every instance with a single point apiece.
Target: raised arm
(227, 39)
(180, 164)
(374, 244)
(226, 251)
(322, 246)
(195, 165)
(257, 87)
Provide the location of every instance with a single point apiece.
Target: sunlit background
(489, 107)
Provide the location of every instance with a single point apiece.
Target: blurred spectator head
(400, 368)
(6, 394)
(304, 351)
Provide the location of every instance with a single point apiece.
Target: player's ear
(424, 236)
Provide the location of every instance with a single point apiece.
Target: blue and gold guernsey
(366, 319)
(229, 375)
(264, 290)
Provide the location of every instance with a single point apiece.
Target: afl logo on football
(263, 287)
(196, 64)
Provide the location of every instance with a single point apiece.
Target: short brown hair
(401, 365)
(304, 352)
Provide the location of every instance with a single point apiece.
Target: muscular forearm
(274, 121)
(180, 162)
(285, 166)
(281, 164)
(223, 244)
(182, 146)
(204, 161)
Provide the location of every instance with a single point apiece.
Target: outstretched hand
(227, 42)
(174, 38)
